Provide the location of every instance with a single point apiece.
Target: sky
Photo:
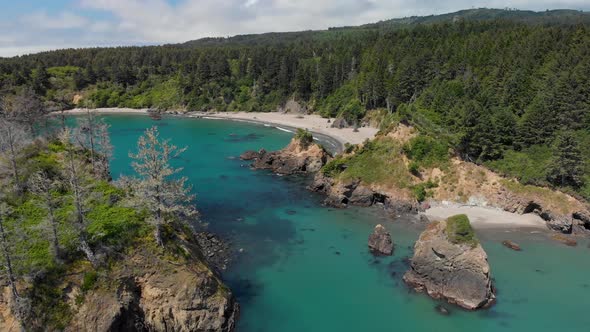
(29, 26)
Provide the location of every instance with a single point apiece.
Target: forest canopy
(506, 91)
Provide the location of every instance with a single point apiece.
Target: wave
(286, 130)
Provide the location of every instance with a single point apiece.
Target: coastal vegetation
(498, 88)
(459, 230)
(63, 222)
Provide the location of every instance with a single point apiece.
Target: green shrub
(427, 151)
(89, 281)
(304, 136)
(421, 190)
(459, 230)
(414, 168)
(334, 167)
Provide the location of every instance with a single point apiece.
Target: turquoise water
(305, 267)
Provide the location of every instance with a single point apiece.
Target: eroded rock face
(458, 273)
(148, 292)
(297, 157)
(380, 242)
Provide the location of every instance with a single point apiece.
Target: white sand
(484, 217)
(313, 123)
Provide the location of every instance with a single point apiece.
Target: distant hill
(551, 17)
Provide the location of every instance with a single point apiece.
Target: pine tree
(567, 166)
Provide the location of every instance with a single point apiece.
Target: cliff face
(458, 273)
(145, 289)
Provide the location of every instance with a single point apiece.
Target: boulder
(362, 196)
(446, 268)
(380, 241)
(512, 245)
(340, 123)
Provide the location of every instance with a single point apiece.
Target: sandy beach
(313, 123)
(486, 217)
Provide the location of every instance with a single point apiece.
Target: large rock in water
(448, 269)
(297, 157)
(380, 241)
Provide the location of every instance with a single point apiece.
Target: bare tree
(41, 184)
(76, 176)
(12, 139)
(164, 197)
(92, 133)
(26, 108)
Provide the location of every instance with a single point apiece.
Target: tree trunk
(8, 261)
(158, 235)
(55, 240)
(88, 251)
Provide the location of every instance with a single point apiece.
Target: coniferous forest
(506, 89)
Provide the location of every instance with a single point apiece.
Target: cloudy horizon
(32, 26)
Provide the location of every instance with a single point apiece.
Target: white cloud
(64, 20)
(158, 21)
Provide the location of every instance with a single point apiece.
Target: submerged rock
(450, 264)
(568, 241)
(441, 309)
(511, 245)
(380, 241)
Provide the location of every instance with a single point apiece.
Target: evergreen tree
(567, 166)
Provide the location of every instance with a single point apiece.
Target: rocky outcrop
(380, 241)
(297, 157)
(144, 290)
(458, 273)
(251, 155)
(559, 223)
(340, 194)
(154, 294)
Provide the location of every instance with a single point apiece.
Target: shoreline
(481, 217)
(312, 122)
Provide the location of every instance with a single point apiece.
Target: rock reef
(456, 272)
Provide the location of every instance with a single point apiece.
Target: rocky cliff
(454, 270)
(146, 289)
(300, 156)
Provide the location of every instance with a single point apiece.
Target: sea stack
(450, 264)
(380, 241)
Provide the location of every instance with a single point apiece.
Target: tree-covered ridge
(498, 87)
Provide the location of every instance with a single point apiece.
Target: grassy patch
(459, 230)
(529, 166)
(379, 161)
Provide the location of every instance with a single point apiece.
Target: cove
(305, 267)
